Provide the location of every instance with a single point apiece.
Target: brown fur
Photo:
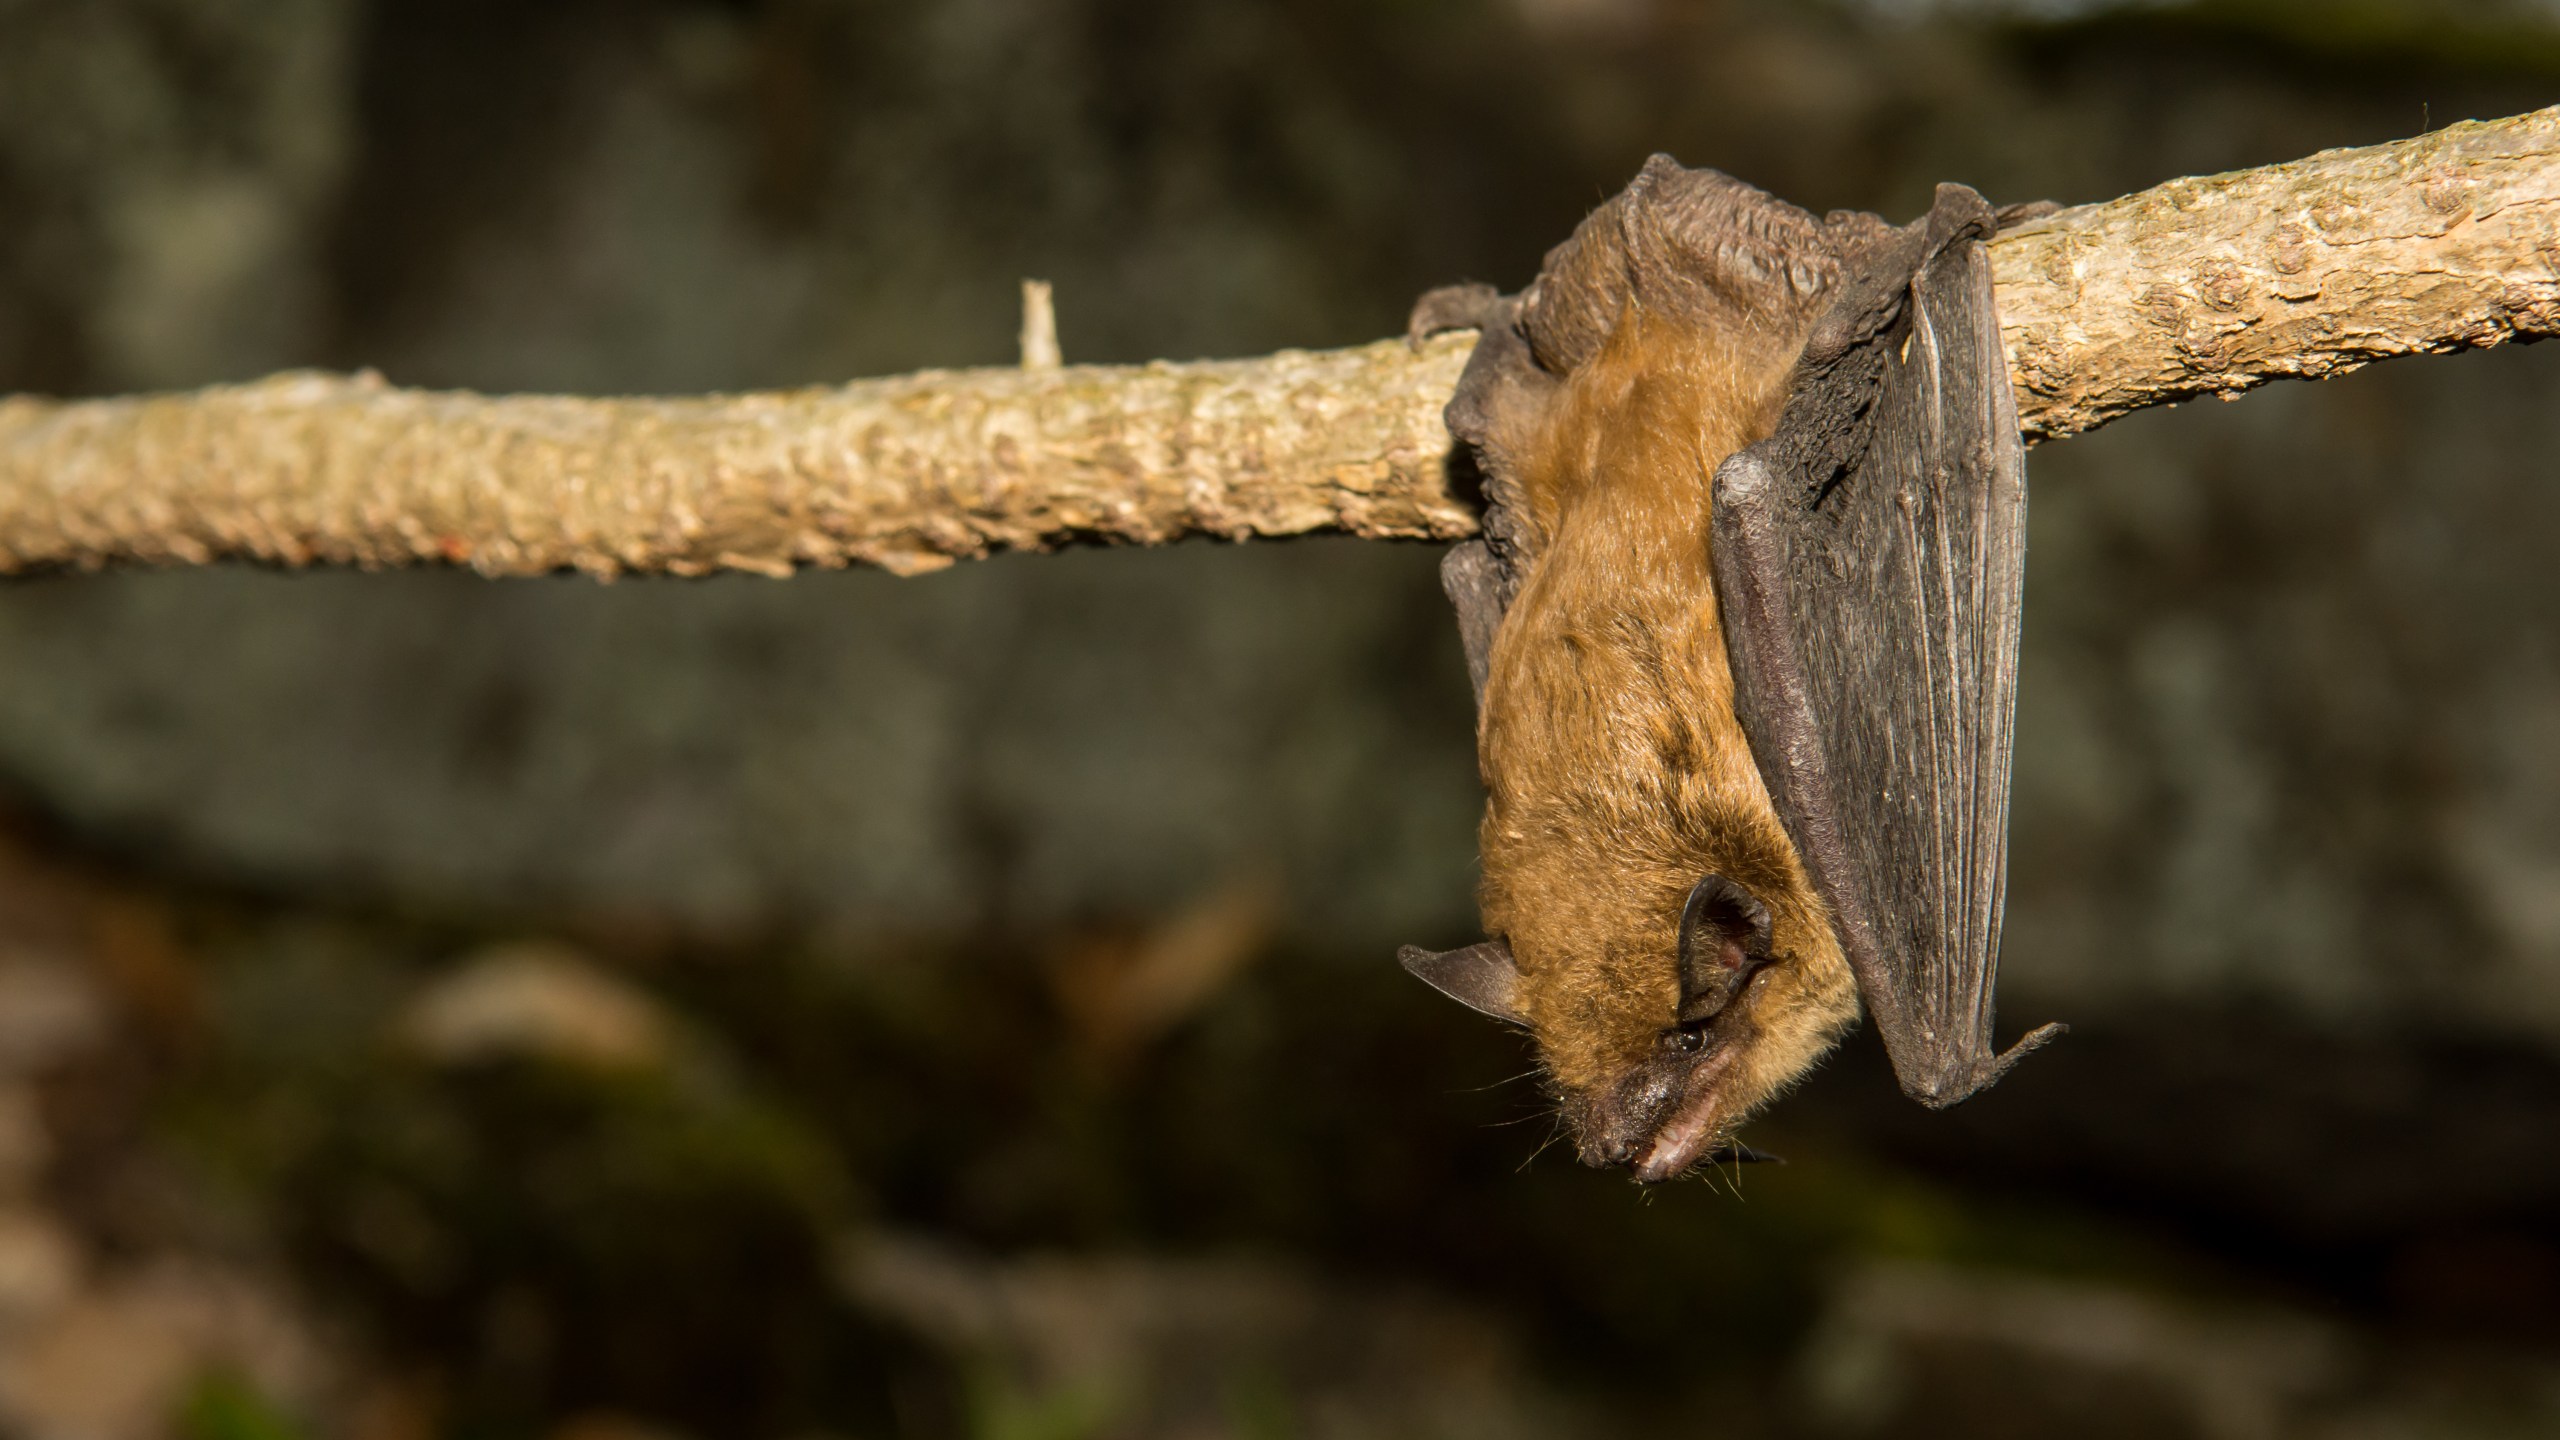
(1616, 770)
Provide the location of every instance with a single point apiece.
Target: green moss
(227, 1406)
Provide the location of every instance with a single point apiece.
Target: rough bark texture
(2213, 286)
(2198, 286)
(907, 473)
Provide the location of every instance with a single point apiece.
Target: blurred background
(965, 1006)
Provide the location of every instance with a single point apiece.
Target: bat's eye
(1684, 1039)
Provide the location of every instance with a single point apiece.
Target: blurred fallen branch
(2196, 287)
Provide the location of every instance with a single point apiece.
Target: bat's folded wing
(1868, 564)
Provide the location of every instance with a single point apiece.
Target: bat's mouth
(1662, 1120)
(1691, 1130)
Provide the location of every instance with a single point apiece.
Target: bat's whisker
(1529, 1073)
(1553, 1135)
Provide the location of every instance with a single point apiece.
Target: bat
(1743, 629)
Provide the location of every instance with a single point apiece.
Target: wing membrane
(1870, 557)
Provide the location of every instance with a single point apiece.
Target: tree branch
(2214, 286)
(2195, 287)
(907, 473)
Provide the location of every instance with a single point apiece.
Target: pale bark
(907, 473)
(2213, 286)
(2199, 286)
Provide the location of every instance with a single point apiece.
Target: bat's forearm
(2200, 286)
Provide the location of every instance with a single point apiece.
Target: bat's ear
(1482, 977)
(1724, 936)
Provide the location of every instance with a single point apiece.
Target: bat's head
(1666, 1012)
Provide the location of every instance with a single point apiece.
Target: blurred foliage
(549, 1237)
(223, 1406)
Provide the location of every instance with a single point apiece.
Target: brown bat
(1743, 629)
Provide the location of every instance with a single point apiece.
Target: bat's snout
(1661, 1120)
(1684, 1139)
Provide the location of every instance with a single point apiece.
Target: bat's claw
(1990, 1071)
(2028, 1043)
(2024, 211)
(1473, 306)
